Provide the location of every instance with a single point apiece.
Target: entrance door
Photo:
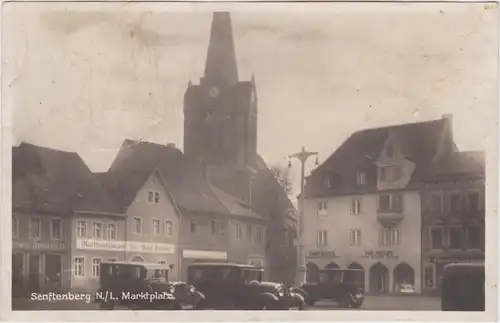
(379, 278)
(53, 271)
(34, 273)
(17, 274)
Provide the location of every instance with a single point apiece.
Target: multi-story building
(453, 215)
(362, 205)
(52, 191)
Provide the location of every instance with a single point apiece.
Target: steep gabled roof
(419, 142)
(46, 179)
(186, 179)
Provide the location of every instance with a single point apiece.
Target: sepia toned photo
(332, 159)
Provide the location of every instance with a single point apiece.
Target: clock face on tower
(214, 92)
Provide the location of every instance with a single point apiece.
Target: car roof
(223, 264)
(461, 268)
(135, 263)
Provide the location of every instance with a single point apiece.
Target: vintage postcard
(240, 161)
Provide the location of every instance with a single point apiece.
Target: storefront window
(429, 276)
(79, 267)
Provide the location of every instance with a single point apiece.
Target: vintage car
(343, 286)
(137, 286)
(463, 287)
(233, 286)
(187, 295)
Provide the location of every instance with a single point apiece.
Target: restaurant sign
(132, 246)
(379, 254)
(37, 245)
(322, 254)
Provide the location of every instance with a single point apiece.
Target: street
(387, 303)
(395, 303)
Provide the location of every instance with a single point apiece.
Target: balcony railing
(390, 215)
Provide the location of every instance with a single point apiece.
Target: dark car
(232, 286)
(187, 295)
(463, 287)
(136, 286)
(343, 286)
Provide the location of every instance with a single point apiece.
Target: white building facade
(362, 206)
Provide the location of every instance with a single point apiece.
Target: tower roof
(221, 67)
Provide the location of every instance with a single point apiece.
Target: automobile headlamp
(281, 292)
(191, 289)
(171, 289)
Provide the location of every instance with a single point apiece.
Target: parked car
(463, 287)
(187, 295)
(233, 286)
(406, 289)
(343, 286)
(136, 286)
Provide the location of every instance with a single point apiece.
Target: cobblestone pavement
(387, 303)
(401, 303)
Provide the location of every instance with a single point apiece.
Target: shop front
(40, 267)
(89, 253)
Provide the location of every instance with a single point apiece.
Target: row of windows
(387, 237)
(157, 228)
(219, 228)
(386, 203)
(470, 237)
(97, 230)
(79, 266)
(329, 179)
(35, 228)
(454, 201)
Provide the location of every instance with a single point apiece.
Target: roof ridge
(24, 143)
(393, 126)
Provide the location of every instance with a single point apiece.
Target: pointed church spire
(221, 68)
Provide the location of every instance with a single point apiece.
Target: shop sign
(204, 254)
(322, 254)
(37, 245)
(379, 254)
(131, 246)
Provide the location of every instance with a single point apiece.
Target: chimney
(449, 121)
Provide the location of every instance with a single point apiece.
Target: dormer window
(389, 173)
(327, 181)
(361, 178)
(390, 151)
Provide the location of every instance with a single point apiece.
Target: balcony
(389, 216)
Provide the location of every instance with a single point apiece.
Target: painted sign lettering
(322, 254)
(39, 245)
(379, 254)
(132, 246)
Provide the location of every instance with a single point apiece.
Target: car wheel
(310, 302)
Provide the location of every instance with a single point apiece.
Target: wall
(24, 246)
(88, 282)
(434, 259)
(162, 211)
(339, 221)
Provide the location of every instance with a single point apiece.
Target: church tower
(220, 113)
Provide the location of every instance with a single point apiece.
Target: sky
(84, 78)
